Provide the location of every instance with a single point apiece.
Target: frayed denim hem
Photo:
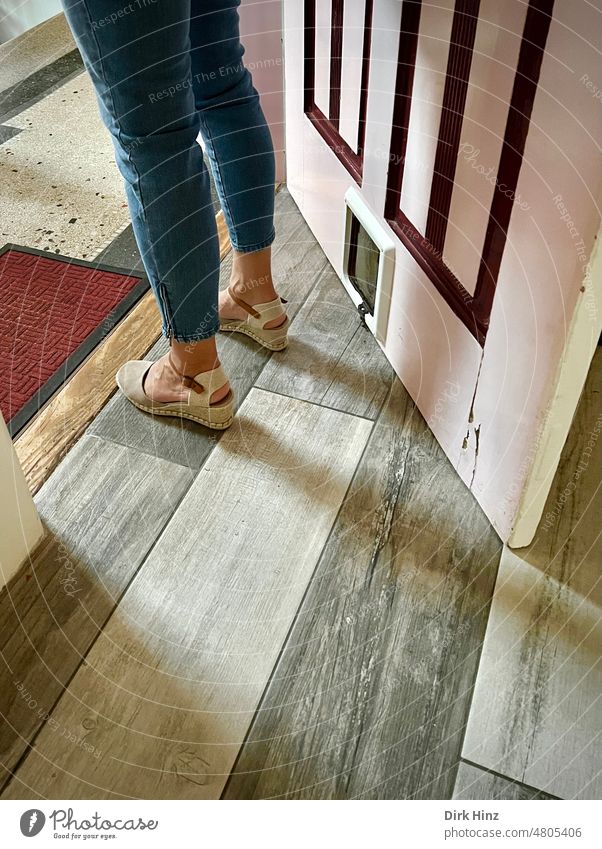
(249, 249)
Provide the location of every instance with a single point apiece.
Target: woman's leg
(138, 57)
(239, 146)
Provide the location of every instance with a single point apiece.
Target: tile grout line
(508, 778)
(101, 629)
(242, 399)
(343, 352)
(309, 585)
(478, 667)
(195, 473)
(315, 403)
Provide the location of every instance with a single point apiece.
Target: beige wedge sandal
(273, 338)
(130, 379)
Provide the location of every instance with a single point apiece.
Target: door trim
(21, 529)
(328, 126)
(473, 310)
(459, 61)
(582, 340)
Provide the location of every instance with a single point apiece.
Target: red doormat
(54, 310)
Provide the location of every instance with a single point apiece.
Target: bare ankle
(191, 358)
(251, 277)
(254, 290)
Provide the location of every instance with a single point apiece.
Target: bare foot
(164, 384)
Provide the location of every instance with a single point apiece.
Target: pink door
(449, 150)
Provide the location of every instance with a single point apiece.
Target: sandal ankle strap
(260, 312)
(192, 383)
(243, 304)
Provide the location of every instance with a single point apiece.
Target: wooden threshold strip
(65, 417)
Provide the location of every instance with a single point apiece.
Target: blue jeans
(165, 71)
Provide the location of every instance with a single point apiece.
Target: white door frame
(20, 527)
(582, 339)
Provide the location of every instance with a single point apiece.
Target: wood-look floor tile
(542, 657)
(372, 691)
(332, 359)
(103, 509)
(165, 697)
(475, 783)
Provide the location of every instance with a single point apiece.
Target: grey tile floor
(290, 609)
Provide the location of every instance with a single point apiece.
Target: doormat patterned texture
(54, 310)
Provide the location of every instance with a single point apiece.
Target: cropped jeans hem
(190, 337)
(259, 246)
